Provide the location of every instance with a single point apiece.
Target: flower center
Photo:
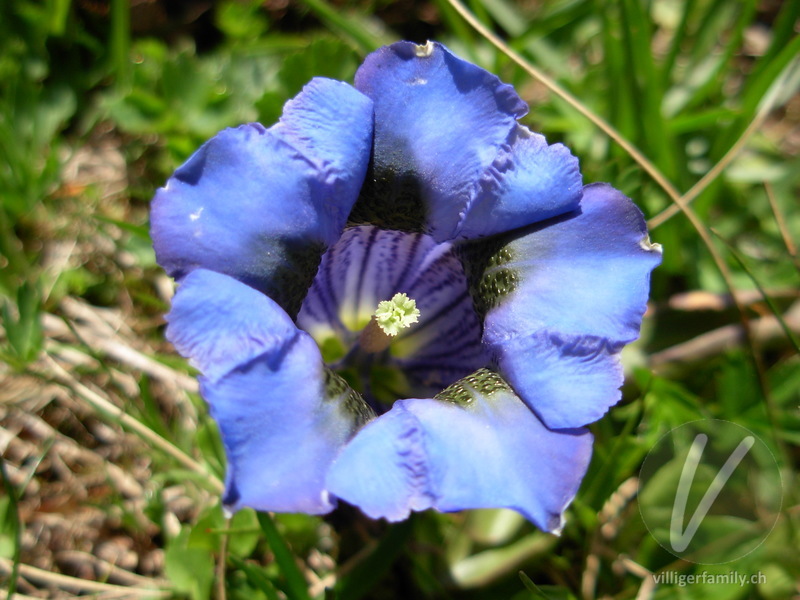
(389, 319)
(423, 336)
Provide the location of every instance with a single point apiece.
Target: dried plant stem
(609, 519)
(791, 248)
(648, 587)
(102, 329)
(714, 342)
(57, 373)
(106, 571)
(219, 574)
(65, 582)
(700, 300)
(117, 350)
(4, 594)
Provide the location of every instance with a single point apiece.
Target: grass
(111, 464)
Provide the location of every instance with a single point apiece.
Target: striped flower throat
(392, 315)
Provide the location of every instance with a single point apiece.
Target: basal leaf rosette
(400, 297)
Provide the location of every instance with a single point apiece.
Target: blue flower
(418, 184)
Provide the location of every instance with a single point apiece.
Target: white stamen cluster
(396, 314)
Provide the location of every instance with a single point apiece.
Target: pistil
(389, 319)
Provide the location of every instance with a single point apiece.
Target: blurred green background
(111, 465)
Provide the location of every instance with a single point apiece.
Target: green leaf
(245, 533)
(24, 330)
(191, 570)
(243, 21)
(778, 582)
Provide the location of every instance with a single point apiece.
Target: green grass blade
(59, 12)
(364, 577)
(460, 29)
(637, 30)
(550, 18)
(705, 29)
(700, 120)
(296, 587)
(629, 78)
(353, 28)
(620, 109)
(756, 88)
(120, 42)
(257, 578)
(676, 42)
(507, 15)
(530, 586)
(732, 29)
(783, 30)
(13, 522)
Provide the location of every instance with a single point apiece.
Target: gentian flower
(400, 297)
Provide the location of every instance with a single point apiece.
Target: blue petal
(476, 446)
(221, 324)
(439, 124)
(282, 415)
(384, 470)
(261, 204)
(563, 299)
(529, 181)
